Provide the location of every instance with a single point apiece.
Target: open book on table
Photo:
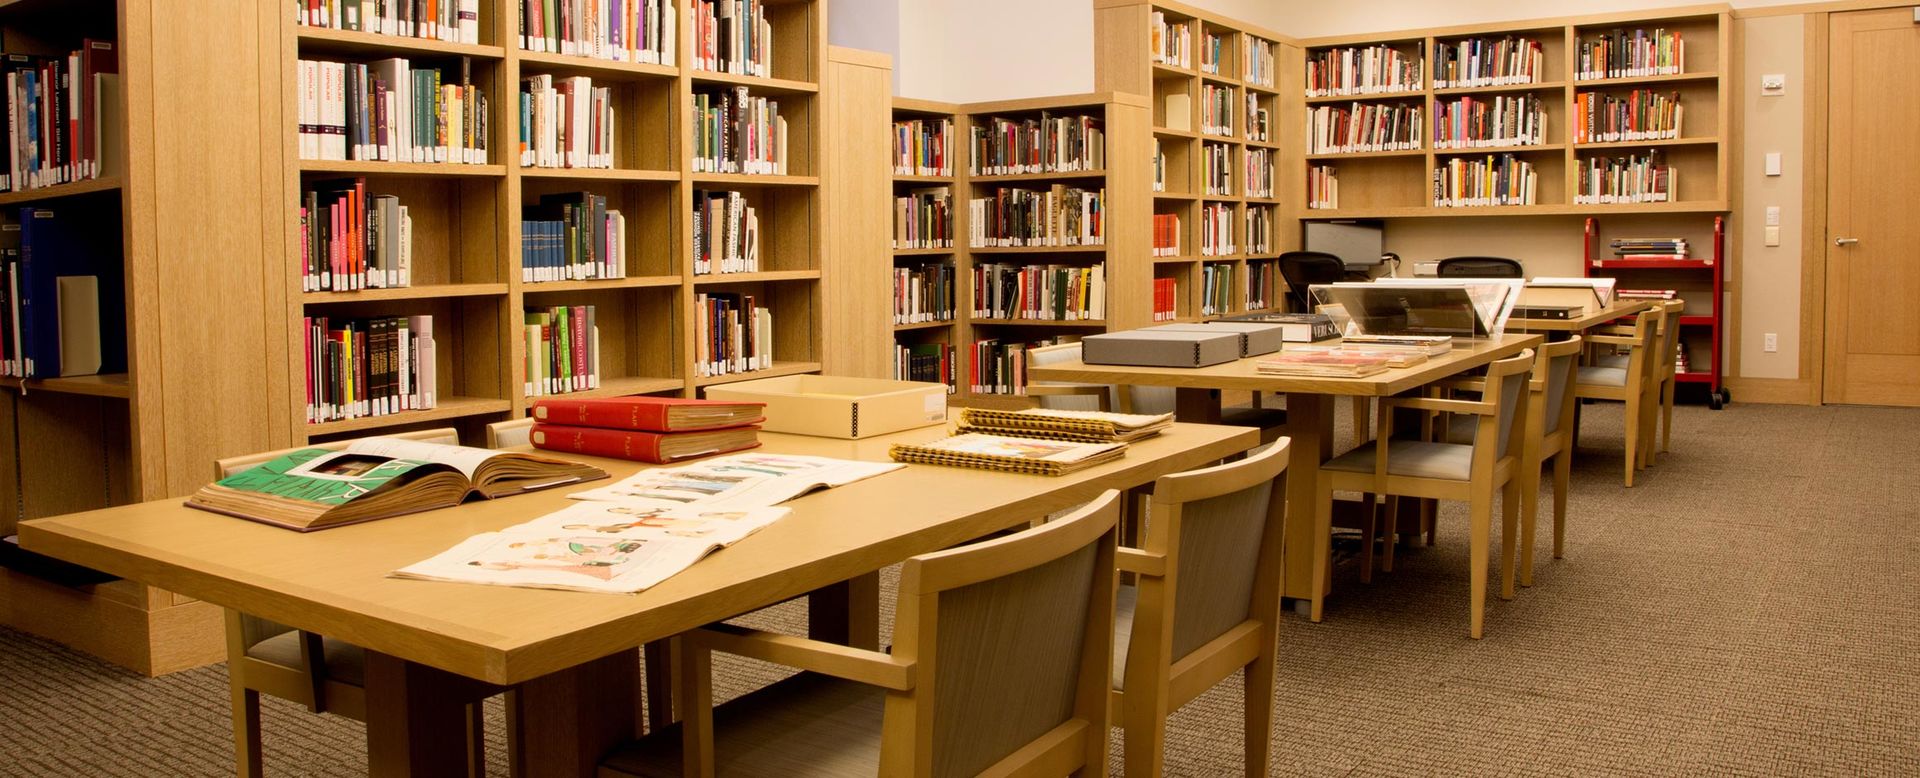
(595, 547)
(739, 481)
(374, 478)
(1010, 454)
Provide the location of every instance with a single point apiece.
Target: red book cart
(1692, 277)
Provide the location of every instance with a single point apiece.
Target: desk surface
(1242, 373)
(1618, 309)
(335, 581)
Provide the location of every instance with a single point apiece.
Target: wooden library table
(433, 646)
(1309, 416)
(1619, 309)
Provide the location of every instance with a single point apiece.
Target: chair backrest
(1013, 637)
(1301, 269)
(507, 434)
(230, 465)
(1481, 267)
(1219, 529)
(1056, 354)
(1507, 382)
(1558, 363)
(1670, 337)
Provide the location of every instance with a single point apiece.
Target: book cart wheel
(1719, 398)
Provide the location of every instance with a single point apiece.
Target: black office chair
(1301, 269)
(1481, 267)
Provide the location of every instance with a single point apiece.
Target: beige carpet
(1751, 608)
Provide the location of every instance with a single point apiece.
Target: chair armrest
(1615, 340)
(854, 664)
(1431, 404)
(1462, 384)
(1135, 560)
(1612, 329)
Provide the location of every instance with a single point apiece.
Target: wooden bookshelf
(1123, 61)
(1398, 184)
(467, 222)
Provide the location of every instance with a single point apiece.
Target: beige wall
(1770, 275)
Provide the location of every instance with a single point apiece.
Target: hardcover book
(653, 447)
(651, 414)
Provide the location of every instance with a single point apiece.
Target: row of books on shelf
(1630, 179)
(1166, 294)
(732, 36)
(1260, 169)
(923, 219)
(1503, 120)
(1059, 216)
(1262, 229)
(566, 122)
(1216, 110)
(1166, 234)
(923, 147)
(735, 132)
(453, 21)
(572, 237)
(563, 350)
(726, 233)
(928, 362)
(1000, 367)
(1650, 248)
(1363, 127)
(1323, 187)
(1263, 286)
(732, 334)
(1040, 292)
(620, 30)
(1216, 288)
(1048, 144)
(1159, 167)
(1259, 121)
(1216, 169)
(1642, 114)
(390, 111)
(1216, 230)
(1213, 48)
(1257, 62)
(923, 294)
(1493, 180)
(1169, 42)
(1622, 54)
(1474, 62)
(368, 367)
(351, 239)
(62, 116)
(62, 303)
(1362, 70)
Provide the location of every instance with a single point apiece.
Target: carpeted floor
(1751, 608)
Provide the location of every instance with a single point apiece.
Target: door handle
(1845, 241)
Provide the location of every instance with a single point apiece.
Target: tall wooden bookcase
(1123, 61)
(1398, 184)
(1124, 254)
(467, 222)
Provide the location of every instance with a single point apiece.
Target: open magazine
(595, 547)
(741, 480)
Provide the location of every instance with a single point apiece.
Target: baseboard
(1771, 391)
(128, 624)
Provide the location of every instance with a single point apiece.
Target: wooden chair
(1134, 399)
(324, 674)
(1668, 333)
(1000, 666)
(507, 434)
(1062, 396)
(1634, 384)
(1445, 471)
(1206, 603)
(1549, 436)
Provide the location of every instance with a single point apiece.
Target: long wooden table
(1309, 415)
(432, 646)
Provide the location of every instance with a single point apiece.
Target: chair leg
(1430, 516)
(1480, 521)
(1633, 436)
(1362, 421)
(1530, 512)
(1650, 410)
(477, 739)
(1143, 720)
(1322, 544)
(1367, 538)
(1509, 518)
(1562, 478)
(246, 732)
(1392, 533)
(1258, 697)
(1666, 417)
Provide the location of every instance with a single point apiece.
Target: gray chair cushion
(807, 725)
(345, 662)
(1602, 376)
(1612, 360)
(1461, 429)
(1413, 458)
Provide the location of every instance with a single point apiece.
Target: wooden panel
(858, 291)
(152, 642)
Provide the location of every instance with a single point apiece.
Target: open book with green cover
(374, 478)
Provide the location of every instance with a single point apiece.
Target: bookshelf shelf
(909, 179)
(925, 325)
(621, 387)
(75, 189)
(1037, 250)
(778, 369)
(1590, 83)
(1074, 175)
(564, 65)
(630, 282)
(361, 167)
(447, 408)
(427, 292)
(924, 252)
(1652, 264)
(1368, 154)
(763, 276)
(1471, 91)
(319, 40)
(114, 385)
(756, 83)
(751, 180)
(1099, 323)
(1164, 69)
(1643, 144)
(1163, 132)
(1536, 148)
(597, 174)
(1368, 98)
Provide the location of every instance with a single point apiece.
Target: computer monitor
(1358, 244)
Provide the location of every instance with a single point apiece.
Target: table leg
(1310, 425)
(847, 613)
(659, 681)
(416, 718)
(565, 722)
(1200, 406)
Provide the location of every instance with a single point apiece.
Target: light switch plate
(1773, 84)
(1773, 163)
(1773, 236)
(1771, 343)
(1773, 216)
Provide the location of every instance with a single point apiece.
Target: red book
(653, 447)
(650, 414)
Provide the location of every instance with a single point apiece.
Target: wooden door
(1873, 232)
